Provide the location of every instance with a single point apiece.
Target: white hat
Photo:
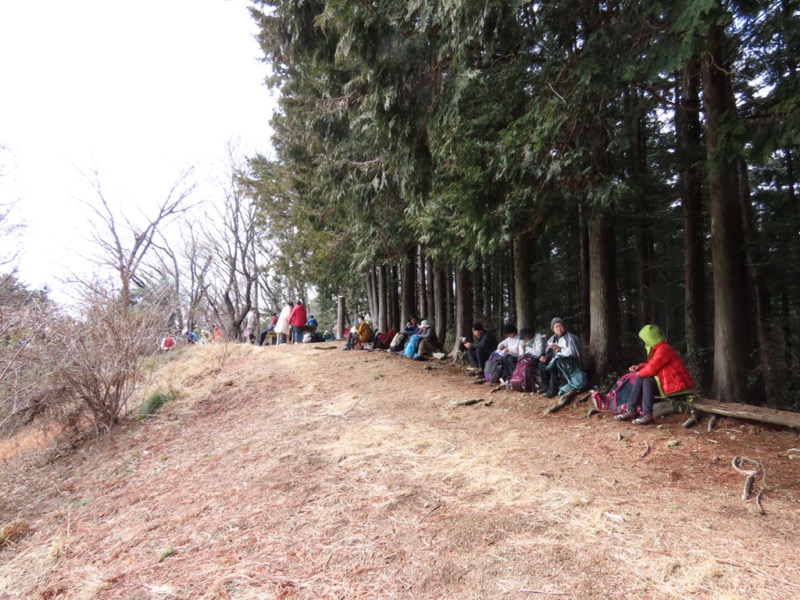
(424, 324)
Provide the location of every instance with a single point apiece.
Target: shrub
(153, 403)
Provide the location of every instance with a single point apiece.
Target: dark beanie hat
(477, 327)
(509, 328)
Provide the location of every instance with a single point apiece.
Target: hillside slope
(291, 472)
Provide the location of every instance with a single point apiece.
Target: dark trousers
(549, 377)
(298, 335)
(477, 357)
(644, 391)
(509, 364)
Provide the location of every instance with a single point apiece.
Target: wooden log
(745, 411)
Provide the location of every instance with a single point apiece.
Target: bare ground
(293, 472)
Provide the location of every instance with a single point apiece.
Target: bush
(152, 405)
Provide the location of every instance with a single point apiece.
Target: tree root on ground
(751, 468)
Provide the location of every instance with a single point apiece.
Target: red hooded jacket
(668, 368)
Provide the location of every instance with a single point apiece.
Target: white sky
(139, 90)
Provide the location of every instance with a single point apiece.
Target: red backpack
(616, 399)
(384, 339)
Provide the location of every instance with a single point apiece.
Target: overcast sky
(138, 90)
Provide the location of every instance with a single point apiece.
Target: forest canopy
(611, 163)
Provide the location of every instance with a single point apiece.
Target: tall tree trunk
(440, 302)
(690, 151)
(451, 312)
(761, 298)
(383, 300)
(463, 299)
(787, 324)
(422, 294)
(524, 248)
(730, 314)
(643, 234)
(480, 292)
(604, 304)
(586, 314)
(407, 305)
(372, 294)
(394, 300)
(510, 281)
(341, 317)
(429, 296)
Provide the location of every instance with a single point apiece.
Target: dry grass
(351, 475)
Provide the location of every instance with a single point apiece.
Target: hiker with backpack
(479, 349)
(359, 334)
(562, 359)
(510, 348)
(398, 343)
(664, 374)
(523, 378)
(428, 343)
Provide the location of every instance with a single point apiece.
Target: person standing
(250, 326)
(298, 319)
(282, 327)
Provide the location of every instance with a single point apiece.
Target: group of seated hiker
(558, 358)
(416, 341)
(560, 365)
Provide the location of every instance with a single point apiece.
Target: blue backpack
(411, 347)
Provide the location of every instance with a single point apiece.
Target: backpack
(411, 347)
(384, 339)
(523, 379)
(493, 369)
(616, 399)
(396, 344)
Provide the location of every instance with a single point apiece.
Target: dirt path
(329, 474)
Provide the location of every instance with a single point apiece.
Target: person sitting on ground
(478, 350)
(512, 346)
(218, 333)
(411, 327)
(663, 374)
(297, 319)
(191, 336)
(428, 342)
(535, 343)
(359, 334)
(401, 338)
(328, 336)
(563, 358)
(312, 322)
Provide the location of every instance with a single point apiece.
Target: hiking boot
(628, 415)
(644, 420)
(550, 393)
(479, 381)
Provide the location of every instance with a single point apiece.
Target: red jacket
(668, 368)
(297, 318)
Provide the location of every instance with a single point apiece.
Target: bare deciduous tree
(123, 243)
